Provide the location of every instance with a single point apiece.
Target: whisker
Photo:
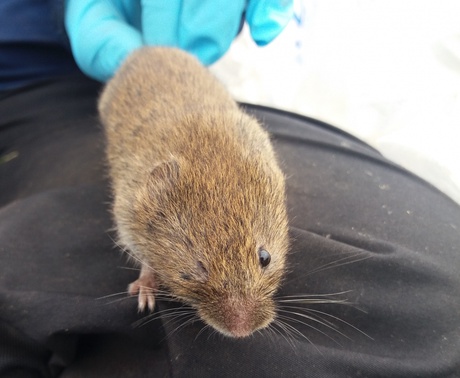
(119, 300)
(313, 327)
(189, 321)
(345, 260)
(174, 317)
(260, 332)
(340, 320)
(124, 296)
(290, 318)
(271, 332)
(112, 295)
(296, 331)
(166, 298)
(305, 309)
(128, 268)
(337, 263)
(315, 301)
(162, 314)
(116, 243)
(214, 333)
(315, 295)
(205, 326)
(138, 260)
(166, 313)
(285, 330)
(162, 292)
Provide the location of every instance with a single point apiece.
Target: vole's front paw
(145, 287)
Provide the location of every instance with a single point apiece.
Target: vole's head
(218, 239)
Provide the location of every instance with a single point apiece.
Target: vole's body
(197, 190)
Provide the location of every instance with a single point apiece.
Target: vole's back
(163, 103)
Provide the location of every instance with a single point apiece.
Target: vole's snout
(239, 320)
(241, 317)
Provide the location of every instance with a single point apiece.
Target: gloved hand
(103, 32)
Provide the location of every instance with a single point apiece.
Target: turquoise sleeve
(103, 33)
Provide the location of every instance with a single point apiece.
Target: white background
(386, 71)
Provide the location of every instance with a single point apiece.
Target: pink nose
(240, 320)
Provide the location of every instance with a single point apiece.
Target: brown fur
(197, 190)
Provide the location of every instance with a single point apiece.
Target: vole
(199, 198)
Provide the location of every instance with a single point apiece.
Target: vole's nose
(239, 317)
(239, 323)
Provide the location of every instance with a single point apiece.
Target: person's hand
(103, 32)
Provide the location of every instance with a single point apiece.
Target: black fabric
(359, 225)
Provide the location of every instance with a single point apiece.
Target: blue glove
(103, 33)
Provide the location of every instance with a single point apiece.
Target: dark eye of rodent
(264, 258)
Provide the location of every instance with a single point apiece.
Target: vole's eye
(264, 258)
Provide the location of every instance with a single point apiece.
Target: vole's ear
(163, 177)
